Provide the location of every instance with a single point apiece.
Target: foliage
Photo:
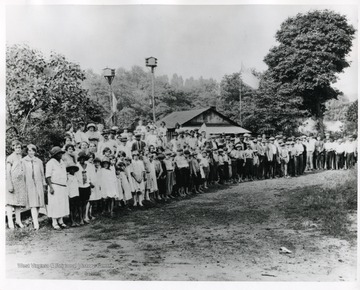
(312, 50)
(44, 95)
(335, 109)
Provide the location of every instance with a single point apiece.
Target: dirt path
(231, 233)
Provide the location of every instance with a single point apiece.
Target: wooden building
(206, 119)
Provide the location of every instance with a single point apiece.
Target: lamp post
(109, 75)
(152, 62)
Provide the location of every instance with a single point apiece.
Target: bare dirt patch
(228, 233)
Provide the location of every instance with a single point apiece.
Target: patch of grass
(327, 207)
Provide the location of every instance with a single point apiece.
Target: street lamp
(109, 75)
(152, 62)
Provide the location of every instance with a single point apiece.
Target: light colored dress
(108, 183)
(73, 186)
(17, 179)
(125, 186)
(58, 203)
(128, 170)
(138, 169)
(151, 183)
(34, 181)
(95, 191)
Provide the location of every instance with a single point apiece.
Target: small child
(73, 189)
(108, 185)
(120, 196)
(95, 196)
(138, 177)
(204, 168)
(126, 189)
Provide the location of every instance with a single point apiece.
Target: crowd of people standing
(97, 169)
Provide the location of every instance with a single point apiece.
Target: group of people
(97, 169)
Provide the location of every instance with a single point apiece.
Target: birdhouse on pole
(109, 74)
(151, 62)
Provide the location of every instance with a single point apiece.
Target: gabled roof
(181, 117)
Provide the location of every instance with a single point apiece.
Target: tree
(44, 95)
(352, 118)
(274, 110)
(229, 101)
(312, 50)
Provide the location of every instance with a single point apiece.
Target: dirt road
(228, 233)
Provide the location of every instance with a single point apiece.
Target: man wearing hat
(299, 156)
(123, 148)
(91, 133)
(320, 153)
(349, 152)
(271, 152)
(138, 144)
(107, 143)
(260, 146)
(340, 152)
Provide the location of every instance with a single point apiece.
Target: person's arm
(9, 179)
(48, 177)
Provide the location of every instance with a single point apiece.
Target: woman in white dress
(58, 197)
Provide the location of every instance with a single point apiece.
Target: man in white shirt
(310, 148)
(107, 142)
(270, 152)
(349, 152)
(122, 147)
(340, 151)
(329, 154)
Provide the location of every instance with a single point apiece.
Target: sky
(207, 41)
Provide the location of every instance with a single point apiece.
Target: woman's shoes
(63, 225)
(56, 227)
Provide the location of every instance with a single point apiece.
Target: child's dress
(126, 189)
(108, 184)
(128, 170)
(95, 179)
(138, 170)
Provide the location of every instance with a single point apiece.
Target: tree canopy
(312, 50)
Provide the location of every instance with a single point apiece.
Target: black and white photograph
(189, 142)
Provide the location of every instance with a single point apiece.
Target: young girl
(73, 189)
(108, 185)
(84, 176)
(151, 183)
(138, 178)
(204, 168)
(120, 195)
(95, 197)
(126, 189)
(16, 188)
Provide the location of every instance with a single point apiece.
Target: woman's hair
(32, 147)
(92, 155)
(106, 149)
(67, 146)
